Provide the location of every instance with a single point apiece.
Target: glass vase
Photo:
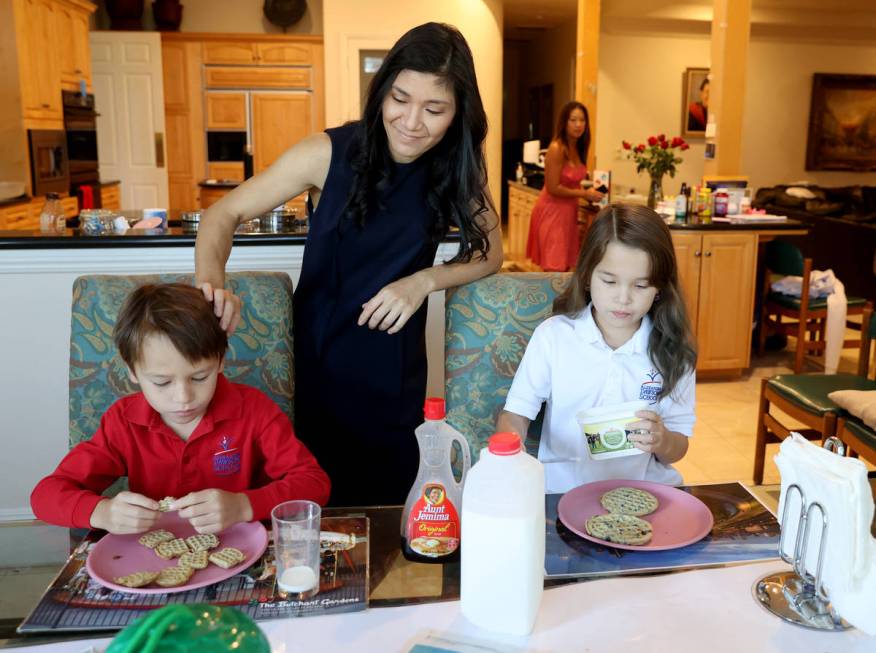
(655, 191)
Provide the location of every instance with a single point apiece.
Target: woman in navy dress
(386, 190)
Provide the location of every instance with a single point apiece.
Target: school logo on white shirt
(652, 387)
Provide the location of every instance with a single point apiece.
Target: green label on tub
(608, 437)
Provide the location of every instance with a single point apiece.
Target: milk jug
(430, 527)
(503, 528)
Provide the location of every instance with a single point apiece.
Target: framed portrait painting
(694, 102)
(842, 123)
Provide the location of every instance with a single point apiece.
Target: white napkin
(840, 485)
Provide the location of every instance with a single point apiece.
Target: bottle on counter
(704, 211)
(430, 528)
(502, 572)
(518, 172)
(722, 199)
(681, 201)
(52, 218)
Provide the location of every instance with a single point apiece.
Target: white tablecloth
(707, 610)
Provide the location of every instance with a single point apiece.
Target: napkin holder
(798, 596)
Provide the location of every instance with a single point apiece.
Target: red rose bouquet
(658, 157)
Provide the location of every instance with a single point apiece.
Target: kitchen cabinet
(26, 215)
(246, 51)
(71, 20)
(111, 197)
(717, 273)
(520, 204)
(38, 64)
(227, 170)
(257, 77)
(226, 111)
(279, 120)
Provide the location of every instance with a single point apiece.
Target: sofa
(842, 229)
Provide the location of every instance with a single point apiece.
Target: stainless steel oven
(48, 161)
(80, 123)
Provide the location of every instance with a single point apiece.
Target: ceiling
(526, 19)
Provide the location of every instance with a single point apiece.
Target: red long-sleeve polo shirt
(243, 443)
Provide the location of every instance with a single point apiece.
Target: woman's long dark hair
(583, 143)
(670, 345)
(458, 171)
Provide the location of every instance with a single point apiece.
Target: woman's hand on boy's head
(651, 432)
(226, 306)
(212, 511)
(127, 512)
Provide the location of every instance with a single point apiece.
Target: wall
(239, 16)
(351, 26)
(777, 100)
(639, 95)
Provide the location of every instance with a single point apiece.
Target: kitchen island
(36, 277)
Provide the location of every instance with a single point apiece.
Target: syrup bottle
(430, 525)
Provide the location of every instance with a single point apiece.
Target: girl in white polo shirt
(619, 333)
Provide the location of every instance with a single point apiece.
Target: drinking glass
(296, 548)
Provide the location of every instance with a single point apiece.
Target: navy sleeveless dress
(359, 392)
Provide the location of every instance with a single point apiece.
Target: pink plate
(681, 518)
(120, 555)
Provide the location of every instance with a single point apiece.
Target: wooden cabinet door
(688, 254)
(279, 120)
(226, 170)
(225, 52)
(111, 198)
(226, 111)
(182, 194)
(72, 43)
(726, 300)
(21, 216)
(278, 77)
(173, 72)
(283, 53)
(38, 60)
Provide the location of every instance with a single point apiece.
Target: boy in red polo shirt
(226, 450)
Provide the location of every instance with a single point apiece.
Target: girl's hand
(593, 195)
(391, 308)
(212, 511)
(226, 306)
(653, 435)
(127, 512)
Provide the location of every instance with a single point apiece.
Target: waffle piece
(629, 501)
(137, 579)
(165, 503)
(202, 542)
(172, 549)
(623, 529)
(193, 559)
(154, 538)
(174, 576)
(227, 557)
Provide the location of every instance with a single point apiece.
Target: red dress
(553, 241)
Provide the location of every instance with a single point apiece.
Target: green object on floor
(191, 629)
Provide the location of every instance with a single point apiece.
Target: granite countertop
(173, 237)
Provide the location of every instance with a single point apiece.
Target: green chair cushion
(809, 391)
(789, 301)
(488, 325)
(862, 432)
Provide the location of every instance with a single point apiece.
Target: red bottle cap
(504, 444)
(433, 408)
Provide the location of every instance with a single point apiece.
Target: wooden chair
(805, 398)
(860, 439)
(807, 316)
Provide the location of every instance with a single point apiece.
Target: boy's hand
(211, 511)
(127, 512)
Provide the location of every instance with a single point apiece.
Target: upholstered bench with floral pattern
(488, 325)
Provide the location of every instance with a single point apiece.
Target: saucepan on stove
(282, 220)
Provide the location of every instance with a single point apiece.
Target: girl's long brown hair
(670, 345)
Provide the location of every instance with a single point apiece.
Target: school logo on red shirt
(226, 461)
(652, 387)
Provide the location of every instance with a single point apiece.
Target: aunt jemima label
(433, 524)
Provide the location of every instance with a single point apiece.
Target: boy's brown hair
(179, 312)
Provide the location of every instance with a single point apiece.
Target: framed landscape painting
(694, 102)
(842, 123)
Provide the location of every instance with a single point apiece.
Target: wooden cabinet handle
(45, 106)
(698, 253)
(708, 254)
(78, 71)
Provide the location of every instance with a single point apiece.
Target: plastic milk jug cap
(504, 444)
(433, 408)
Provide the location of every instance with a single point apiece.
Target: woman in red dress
(553, 229)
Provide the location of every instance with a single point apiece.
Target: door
(279, 120)
(688, 253)
(129, 96)
(726, 308)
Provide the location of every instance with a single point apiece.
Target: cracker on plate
(629, 501)
(622, 529)
(174, 576)
(193, 559)
(172, 548)
(227, 557)
(154, 538)
(137, 579)
(202, 542)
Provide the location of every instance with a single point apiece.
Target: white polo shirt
(569, 365)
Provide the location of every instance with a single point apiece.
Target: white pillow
(860, 403)
(800, 193)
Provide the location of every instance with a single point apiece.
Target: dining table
(415, 607)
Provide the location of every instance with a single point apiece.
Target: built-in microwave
(50, 172)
